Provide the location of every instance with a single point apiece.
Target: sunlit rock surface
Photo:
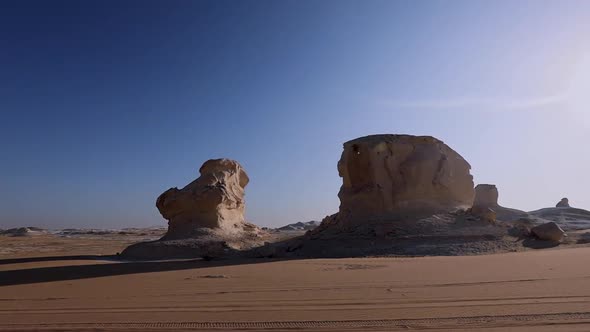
(385, 174)
(205, 218)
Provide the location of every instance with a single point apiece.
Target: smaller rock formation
(486, 207)
(214, 200)
(205, 218)
(300, 226)
(485, 203)
(548, 232)
(486, 195)
(563, 203)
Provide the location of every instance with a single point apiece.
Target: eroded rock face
(563, 203)
(205, 218)
(389, 174)
(215, 200)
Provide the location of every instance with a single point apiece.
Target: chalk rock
(563, 203)
(205, 218)
(485, 203)
(548, 232)
(389, 174)
(486, 195)
(215, 200)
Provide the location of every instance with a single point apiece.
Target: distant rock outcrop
(392, 174)
(205, 218)
(563, 203)
(300, 226)
(568, 218)
(24, 231)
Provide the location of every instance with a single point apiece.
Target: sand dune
(545, 290)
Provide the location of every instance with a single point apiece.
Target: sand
(55, 245)
(539, 290)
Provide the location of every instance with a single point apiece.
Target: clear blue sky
(106, 104)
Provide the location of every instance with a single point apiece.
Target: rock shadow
(74, 272)
(534, 243)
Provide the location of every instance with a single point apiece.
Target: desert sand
(536, 290)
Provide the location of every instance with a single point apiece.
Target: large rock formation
(400, 195)
(564, 202)
(205, 218)
(214, 200)
(392, 174)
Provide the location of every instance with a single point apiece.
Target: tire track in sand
(430, 323)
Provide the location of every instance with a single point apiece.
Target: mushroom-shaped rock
(205, 218)
(214, 200)
(548, 232)
(563, 203)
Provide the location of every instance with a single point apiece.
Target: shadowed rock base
(450, 234)
(206, 243)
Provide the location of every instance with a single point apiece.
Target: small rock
(548, 232)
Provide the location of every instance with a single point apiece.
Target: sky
(106, 104)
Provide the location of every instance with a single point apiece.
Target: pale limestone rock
(563, 203)
(485, 203)
(205, 218)
(214, 200)
(392, 174)
(486, 195)
(486, 207)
